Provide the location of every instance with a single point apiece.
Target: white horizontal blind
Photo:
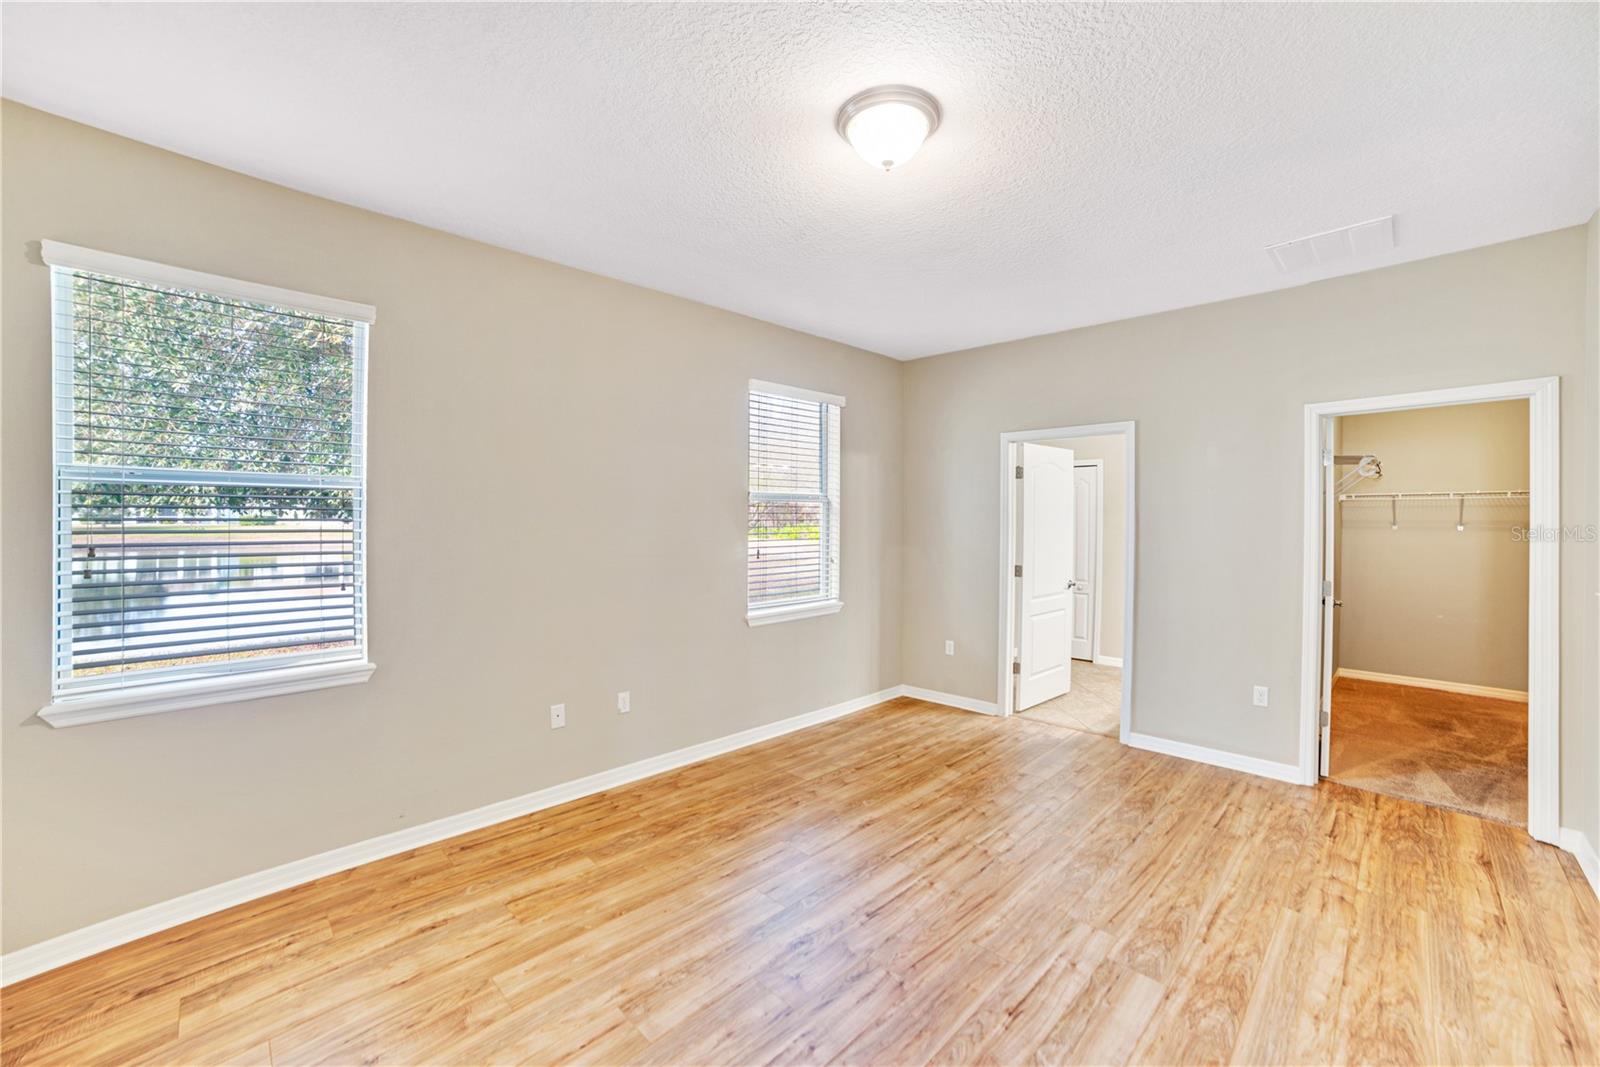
(793, 534)
(209, 484)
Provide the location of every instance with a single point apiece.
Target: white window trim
(79, 710)
(73, 257)
(805, 609)
(800, 609)
(101, 705)
(794, 392)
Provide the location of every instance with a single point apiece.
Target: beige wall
(597, 426)
(1427, 600)
(1113, 452)
(1218, 394)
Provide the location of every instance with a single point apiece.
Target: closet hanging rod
(1469, 494)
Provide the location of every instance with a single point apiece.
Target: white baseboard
(108, 934)
(58, 951)
(1578, 843)
(1283, 772)
(933, 696)
(1109, 661)
(1434, 683)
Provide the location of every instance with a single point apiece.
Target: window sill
(201, 692)
(811, 609)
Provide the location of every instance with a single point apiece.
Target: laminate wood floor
(908, 885)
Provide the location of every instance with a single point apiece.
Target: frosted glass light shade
(888, 124)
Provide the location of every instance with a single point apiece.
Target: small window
(792, 546)
(210, 484)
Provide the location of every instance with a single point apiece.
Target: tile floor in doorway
(1094, 705)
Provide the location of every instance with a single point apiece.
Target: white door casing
(1544, 577)
(1045, 589)
(1086, 537)
(1007, 584)
(1325, 698)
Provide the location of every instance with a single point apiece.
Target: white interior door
(1086, 538)
(1045, 588)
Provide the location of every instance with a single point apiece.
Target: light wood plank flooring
(908, 885)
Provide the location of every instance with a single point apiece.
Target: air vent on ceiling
(1322, 249)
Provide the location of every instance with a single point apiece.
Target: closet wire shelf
(1467, 494)
(1460, 496)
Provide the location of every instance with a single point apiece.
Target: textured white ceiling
(1094, 163)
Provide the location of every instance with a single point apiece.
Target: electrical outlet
(624, 703)
(949, 648)
(1259, 697)
(558, 716)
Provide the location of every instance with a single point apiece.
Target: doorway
(1430, 647)
(1067, 576)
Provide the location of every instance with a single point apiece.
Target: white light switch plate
(1260, 696)
(949, 648)
(558, 716)
(624, 702)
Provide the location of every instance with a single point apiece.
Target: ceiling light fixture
(886, 125)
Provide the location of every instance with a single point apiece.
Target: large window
(209, 488)
(793, 537)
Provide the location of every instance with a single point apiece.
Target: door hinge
(1324, 718)
(1016, 666)
(1327, 457)
(1019, 470)
(1016, 571)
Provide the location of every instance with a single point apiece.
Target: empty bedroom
(743, 533)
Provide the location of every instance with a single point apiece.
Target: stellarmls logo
(1584, 533)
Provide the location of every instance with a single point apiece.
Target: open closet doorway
(1434, 598)
(1066, 582)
